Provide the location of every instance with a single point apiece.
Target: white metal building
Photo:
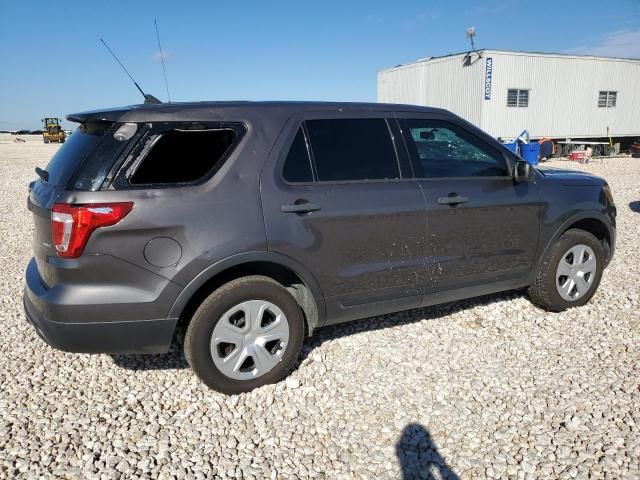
(504, 92)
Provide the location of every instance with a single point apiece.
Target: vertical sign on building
(488, 73)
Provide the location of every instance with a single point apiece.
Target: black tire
(567, 148)
(557, 150)
(544, 293)
(198, 336)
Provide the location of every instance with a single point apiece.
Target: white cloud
(621, 43)
(166, 53)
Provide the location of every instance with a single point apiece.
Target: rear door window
(297, 166)
(352, 149)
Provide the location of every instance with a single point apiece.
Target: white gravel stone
(489, 387)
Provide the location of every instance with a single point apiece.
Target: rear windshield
(85, 159)
(72, 153)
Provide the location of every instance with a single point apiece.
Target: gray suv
(258, 223)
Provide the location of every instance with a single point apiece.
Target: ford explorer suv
(256, 223)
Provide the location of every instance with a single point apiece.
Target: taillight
(72, 224)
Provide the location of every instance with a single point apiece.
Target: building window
(607, 99)
(517, 98)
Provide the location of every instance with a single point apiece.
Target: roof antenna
(164, 71)
(471, 33)
(149, 99)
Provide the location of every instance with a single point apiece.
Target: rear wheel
(570, 273)
(557, 150)
(246, 334)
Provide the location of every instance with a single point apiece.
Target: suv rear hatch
(80, 165)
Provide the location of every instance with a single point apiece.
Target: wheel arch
(593, 222)
(285, 270)
(597, 228)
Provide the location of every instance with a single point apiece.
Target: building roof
(518, 53)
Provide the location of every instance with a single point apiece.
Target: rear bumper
(143, 336)
(84, 331)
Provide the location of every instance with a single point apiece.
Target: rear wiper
(43, 174)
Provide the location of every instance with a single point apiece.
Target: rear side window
(297, 166)
(183, 156)
(74, 151)
(352, 149)
(441, 149)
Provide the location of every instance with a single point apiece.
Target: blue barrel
(530, 152)
(513, 146)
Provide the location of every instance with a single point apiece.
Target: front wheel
(570, 273)
(246, 334)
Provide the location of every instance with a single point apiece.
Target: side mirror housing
(522, 171)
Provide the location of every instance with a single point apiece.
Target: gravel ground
(490, 387)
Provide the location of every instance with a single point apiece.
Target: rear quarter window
(176, 155)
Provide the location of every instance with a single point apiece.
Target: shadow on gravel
(400, 318)
(419, 457)
(175, 358)
(635, 206)
(172, 360)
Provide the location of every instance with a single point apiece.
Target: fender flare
(248, 257)
(564, 226)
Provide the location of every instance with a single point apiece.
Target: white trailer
(572, 99)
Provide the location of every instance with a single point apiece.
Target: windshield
(74, 151)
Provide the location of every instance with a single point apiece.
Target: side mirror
(521, 171)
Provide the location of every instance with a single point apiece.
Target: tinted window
(181, 156)
(297, 166)
(441, 149)
(352, 149)
(73, 152)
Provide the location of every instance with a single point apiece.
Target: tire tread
(201, 321)
(542, 292)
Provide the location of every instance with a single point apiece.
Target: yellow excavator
(52, 130)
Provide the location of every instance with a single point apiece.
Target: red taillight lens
(72, 225)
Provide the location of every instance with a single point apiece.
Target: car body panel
(374, 231)
(373, 248)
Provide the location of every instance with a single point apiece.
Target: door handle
(300, 206)
(453, 199)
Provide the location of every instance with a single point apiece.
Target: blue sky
(53, 64)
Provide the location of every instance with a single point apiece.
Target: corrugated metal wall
(563, 93)
(442, 82)
(563, 96)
